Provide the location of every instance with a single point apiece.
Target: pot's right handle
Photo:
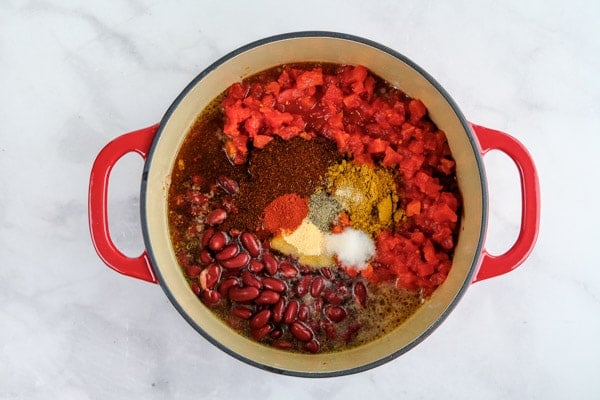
(491, 265)
(139, 142)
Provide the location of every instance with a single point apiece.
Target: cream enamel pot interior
(159, 145)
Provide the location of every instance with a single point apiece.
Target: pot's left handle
(139, 142)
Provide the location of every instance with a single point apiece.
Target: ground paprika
(285, 213)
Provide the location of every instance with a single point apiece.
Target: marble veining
(74, 75)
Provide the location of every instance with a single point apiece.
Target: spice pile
(330, 215)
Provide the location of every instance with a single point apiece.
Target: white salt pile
(352, 247)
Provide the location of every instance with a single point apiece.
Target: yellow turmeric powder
(368, 194)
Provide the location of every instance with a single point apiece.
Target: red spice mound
(285, 213)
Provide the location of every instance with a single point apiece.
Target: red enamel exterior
(139, 142)
(490, 139)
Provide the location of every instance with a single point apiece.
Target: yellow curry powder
(367, 193)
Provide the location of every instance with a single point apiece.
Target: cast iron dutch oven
(159, 145)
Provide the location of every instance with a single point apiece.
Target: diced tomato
(341, 139)
(416, 146)
(443, 236)
(310, 79)
(356, 74)
(333, 98)
(288, 96)
(273, 87)
(369, 87)
(443, 213)
(446, 165)
(352, 101)
(306, 103)
(409, 166)
(287, 132)
(425, 269)
(356, 145)
(416, 110)
(391, 158)
(260, 141)
(413, 208)
(284, 79)
(407, 280)
(275, 118)
(377, 146)
(253, 124)
(236, 91)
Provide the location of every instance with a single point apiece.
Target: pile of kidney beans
(268, 296)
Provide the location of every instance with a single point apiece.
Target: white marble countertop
(74, 75)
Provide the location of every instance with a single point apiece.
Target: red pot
(159, 145)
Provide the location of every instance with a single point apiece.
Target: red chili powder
(285, 213)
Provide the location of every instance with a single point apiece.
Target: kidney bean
(313, 346)
(287, 270)
(227, 284)
(329, 330)
(316, 287)
(274, 284)
(251, 243)
(193, 270)
(270, 263)
(342, 291)
(242, 312)
(236, 262)
(195, 286)
(184, 259)
(335, 313)
(210, 297)
(300, 331)
(206, 257)
(278, 310)
(267, 297)
(326, 272)
(318, 304)
(330, 296)
(276, 333)
(305, 269)
(303, 311)
(360, 293)
(208, 233)
(213, 274)
(303, 286)
(250, 280)
(209, 276)
(350, 332)
(228, 185)
(261, 333)
(260, 319)
(282, 344)
(243, 294)
(216, 216)
(197, 180)
(234, 232)
(313, 324)
(218, 241)
(291, 311)
(256, 266)
(229, 251)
